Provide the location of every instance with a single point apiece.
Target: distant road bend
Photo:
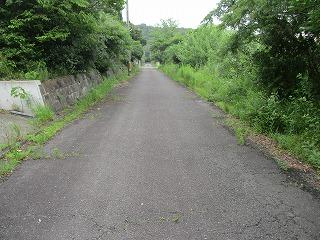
(153, 162)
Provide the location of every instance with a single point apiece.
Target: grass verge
(33, 142)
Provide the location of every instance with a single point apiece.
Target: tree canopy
(62, 36)
(289, 34)
(163, 36)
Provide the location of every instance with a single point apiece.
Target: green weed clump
(43, 114)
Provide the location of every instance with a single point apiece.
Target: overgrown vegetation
(34, 141)
(43, 114)
(154, 35)
(45, 38)
(260, 65)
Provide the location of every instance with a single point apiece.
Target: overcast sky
(188, 13)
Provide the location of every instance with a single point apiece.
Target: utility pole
(128, 21)
(128, 24)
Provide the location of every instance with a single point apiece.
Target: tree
(137, 44)
(113, 7)
(201, 44)
(288, 32)
(163, 36)
(113, 42)
(62, 36)
(136, 34)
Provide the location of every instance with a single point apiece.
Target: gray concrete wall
(9, 102)
(65, 91)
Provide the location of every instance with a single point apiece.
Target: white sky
(188, 13)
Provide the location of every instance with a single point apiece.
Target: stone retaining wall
(58, 93)
(65, 91)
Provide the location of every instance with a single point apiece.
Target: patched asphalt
(153, 162)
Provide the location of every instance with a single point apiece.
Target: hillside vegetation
(148, 33)
(45, 38)
(261, 65)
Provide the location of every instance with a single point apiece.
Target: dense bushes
(288, 32)
(163, 38)
(41, 37)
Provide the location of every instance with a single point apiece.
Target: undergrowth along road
(293, 126)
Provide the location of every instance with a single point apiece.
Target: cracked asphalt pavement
(153, 162)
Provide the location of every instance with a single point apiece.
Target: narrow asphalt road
(153, 162)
